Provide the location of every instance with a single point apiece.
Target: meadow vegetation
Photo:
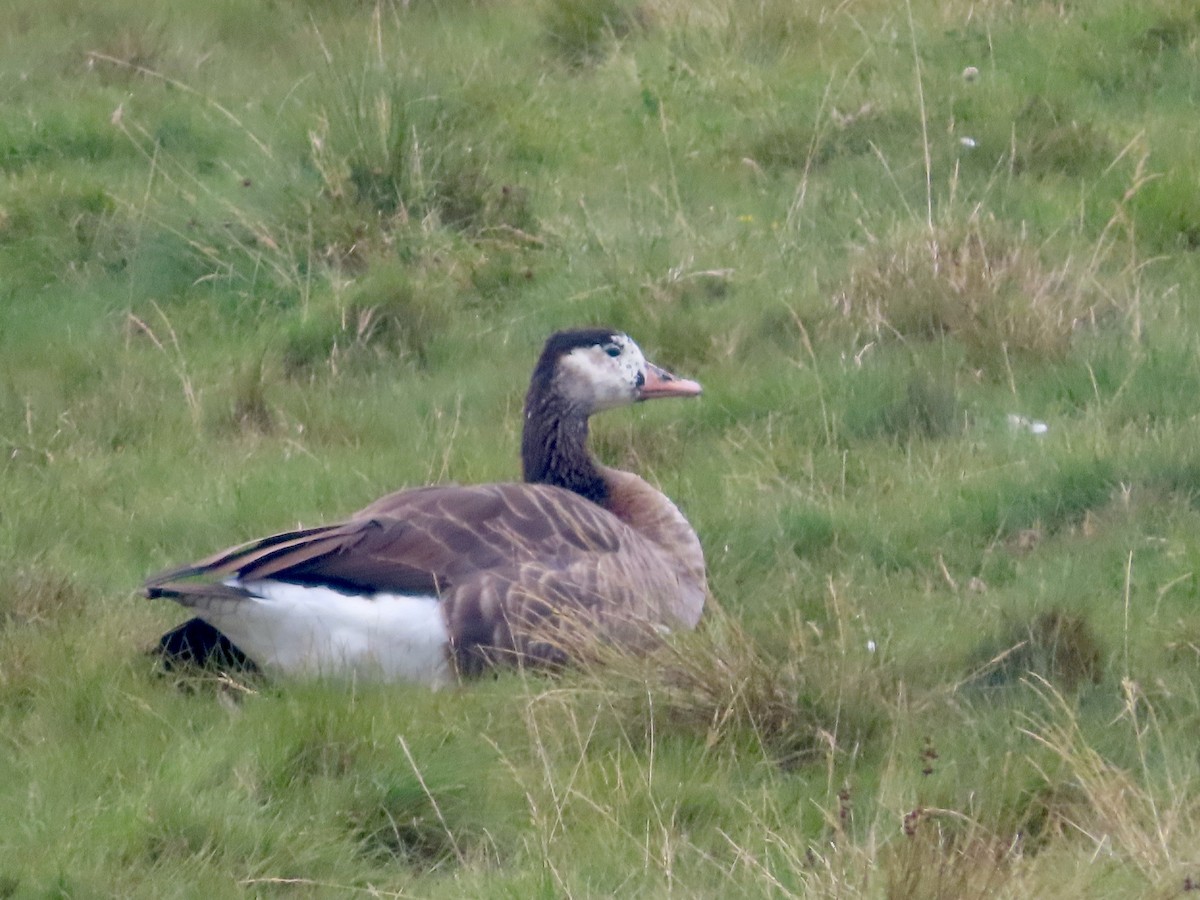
(261, 262)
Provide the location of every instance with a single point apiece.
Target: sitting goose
(428, 583)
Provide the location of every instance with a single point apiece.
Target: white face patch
(603, 376)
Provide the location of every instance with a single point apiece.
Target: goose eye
(612, 350)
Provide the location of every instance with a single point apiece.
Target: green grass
(264, 262)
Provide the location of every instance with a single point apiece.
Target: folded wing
(519, 570)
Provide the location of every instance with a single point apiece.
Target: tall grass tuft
(398, 152)
(724, 689)
(1128, 812)
(986, 289)
(1054, 646)
(384, 315)
(579, 32)
(37, 596)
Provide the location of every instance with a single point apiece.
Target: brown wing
(508, 561)
(350, 552)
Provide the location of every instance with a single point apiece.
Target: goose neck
(554, 449)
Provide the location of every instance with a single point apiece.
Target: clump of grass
(392, 802)
(945, 855)
(1177, 24)
(55, 135)
(1166, 212)
(502, 274)
(972, 282)
(387, 313)
(760, 31)
(61, 222)
(308, 345)
(802, 144)
(400, 820)
(921, 407)
(1146, 821)
(396, 154)
(690, 288)
(1056, 499)
(1055, 646)
(1046, 811)
(1184, 645)
(38, 597)
(208, 231)
(580, 32)
(928, 409)
(1157, 386)
(129, 52)
(723, 688)
(244, 405)
(1047, 138)
(808, 531)
(327, 751)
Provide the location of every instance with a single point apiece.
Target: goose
(434, 583)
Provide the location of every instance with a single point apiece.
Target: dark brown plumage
(479, 574)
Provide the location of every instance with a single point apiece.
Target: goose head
(590, 370)
(579, 373)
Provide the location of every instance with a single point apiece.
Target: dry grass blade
(720, 685)
(1121, 812)
(947, 861)
(181, 86)
(432, 800)
(989, 290)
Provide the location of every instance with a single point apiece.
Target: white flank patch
(320, 631)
